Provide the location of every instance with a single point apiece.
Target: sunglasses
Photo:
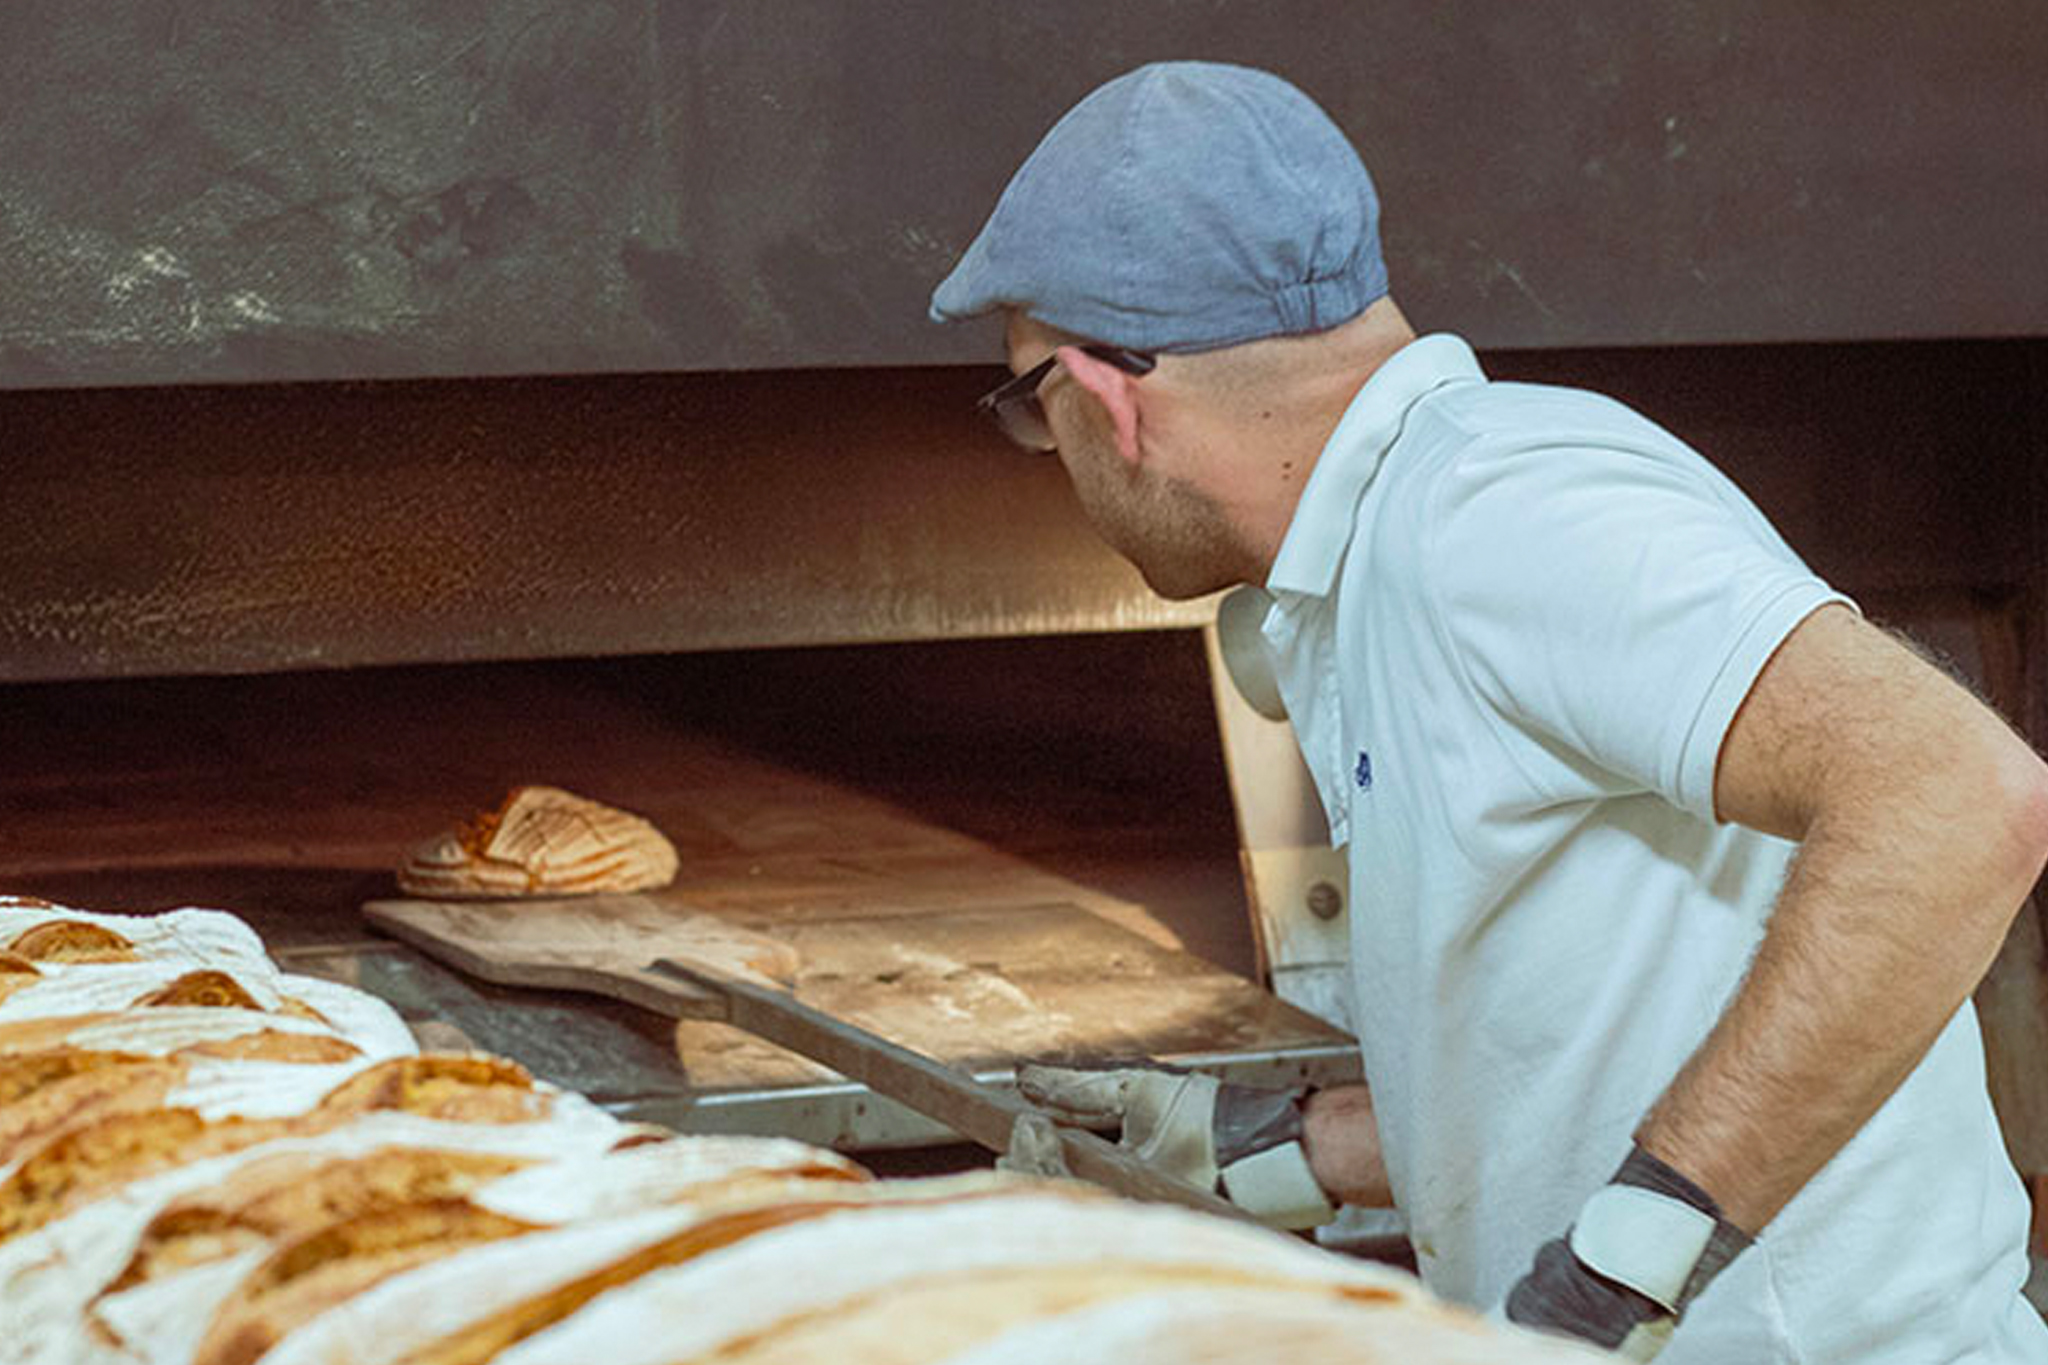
(1014, 405)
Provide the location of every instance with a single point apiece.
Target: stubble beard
(1178, 538)
(1182, 542)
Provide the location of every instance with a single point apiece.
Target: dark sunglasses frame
(1013, 405)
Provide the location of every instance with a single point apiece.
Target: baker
(1670, 875)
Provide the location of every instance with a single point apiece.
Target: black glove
(1644, 1247)
(1240, 1139)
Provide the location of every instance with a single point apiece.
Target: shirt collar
(1320, 530)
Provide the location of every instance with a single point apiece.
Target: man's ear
(1113, 389)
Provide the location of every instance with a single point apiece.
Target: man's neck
(1288, 455)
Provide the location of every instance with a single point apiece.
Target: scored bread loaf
(16, 971)
(71, 940)
(1195, 1325)
(193, 1171)
(542, 841)
(290, 1195)
(43, 1092)
(781, 1280)
(320, 1269)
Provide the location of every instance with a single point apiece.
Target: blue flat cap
(1181, 207)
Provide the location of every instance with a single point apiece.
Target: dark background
(207, 190)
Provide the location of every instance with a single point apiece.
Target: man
(1671, 877)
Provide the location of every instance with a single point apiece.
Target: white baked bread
(204, 1161)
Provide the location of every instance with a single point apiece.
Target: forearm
(1894, 910)
(1341, 1139)
(1922, 822)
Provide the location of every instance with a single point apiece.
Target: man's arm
(1342, 1142)
(1923, 823)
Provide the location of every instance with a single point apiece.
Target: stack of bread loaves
(203, 1158)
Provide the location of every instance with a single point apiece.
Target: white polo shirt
(1512, 624)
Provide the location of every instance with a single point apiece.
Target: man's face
(1176, 536)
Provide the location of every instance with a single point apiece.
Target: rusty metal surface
(235, 529)
(221, 530)
(206, 190)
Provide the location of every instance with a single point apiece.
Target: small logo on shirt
(1363, 773)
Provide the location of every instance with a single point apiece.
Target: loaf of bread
(542, 841)
(207, 1161)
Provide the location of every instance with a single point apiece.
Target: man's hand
(1644, 1248)
(1243, 1140)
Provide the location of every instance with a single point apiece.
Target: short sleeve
(1617, 601)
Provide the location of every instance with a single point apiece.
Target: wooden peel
(600, 944)
(696, 967)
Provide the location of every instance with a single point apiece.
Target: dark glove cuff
(1649, 1172)
(1249, 1120)
(1619, 1277)
(1559, 1294)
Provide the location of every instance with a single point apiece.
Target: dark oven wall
(206, 190)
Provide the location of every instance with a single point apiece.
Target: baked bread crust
(90, 1157)
(16, 971)
(268, 1045)
(460, 1087)
(161, 1029)
(314, 1272)
(935, 1319)
(295, 1194)
(483, 1340)
(542, 841)
(206, 989)
(43, 1093)
(72, 940)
